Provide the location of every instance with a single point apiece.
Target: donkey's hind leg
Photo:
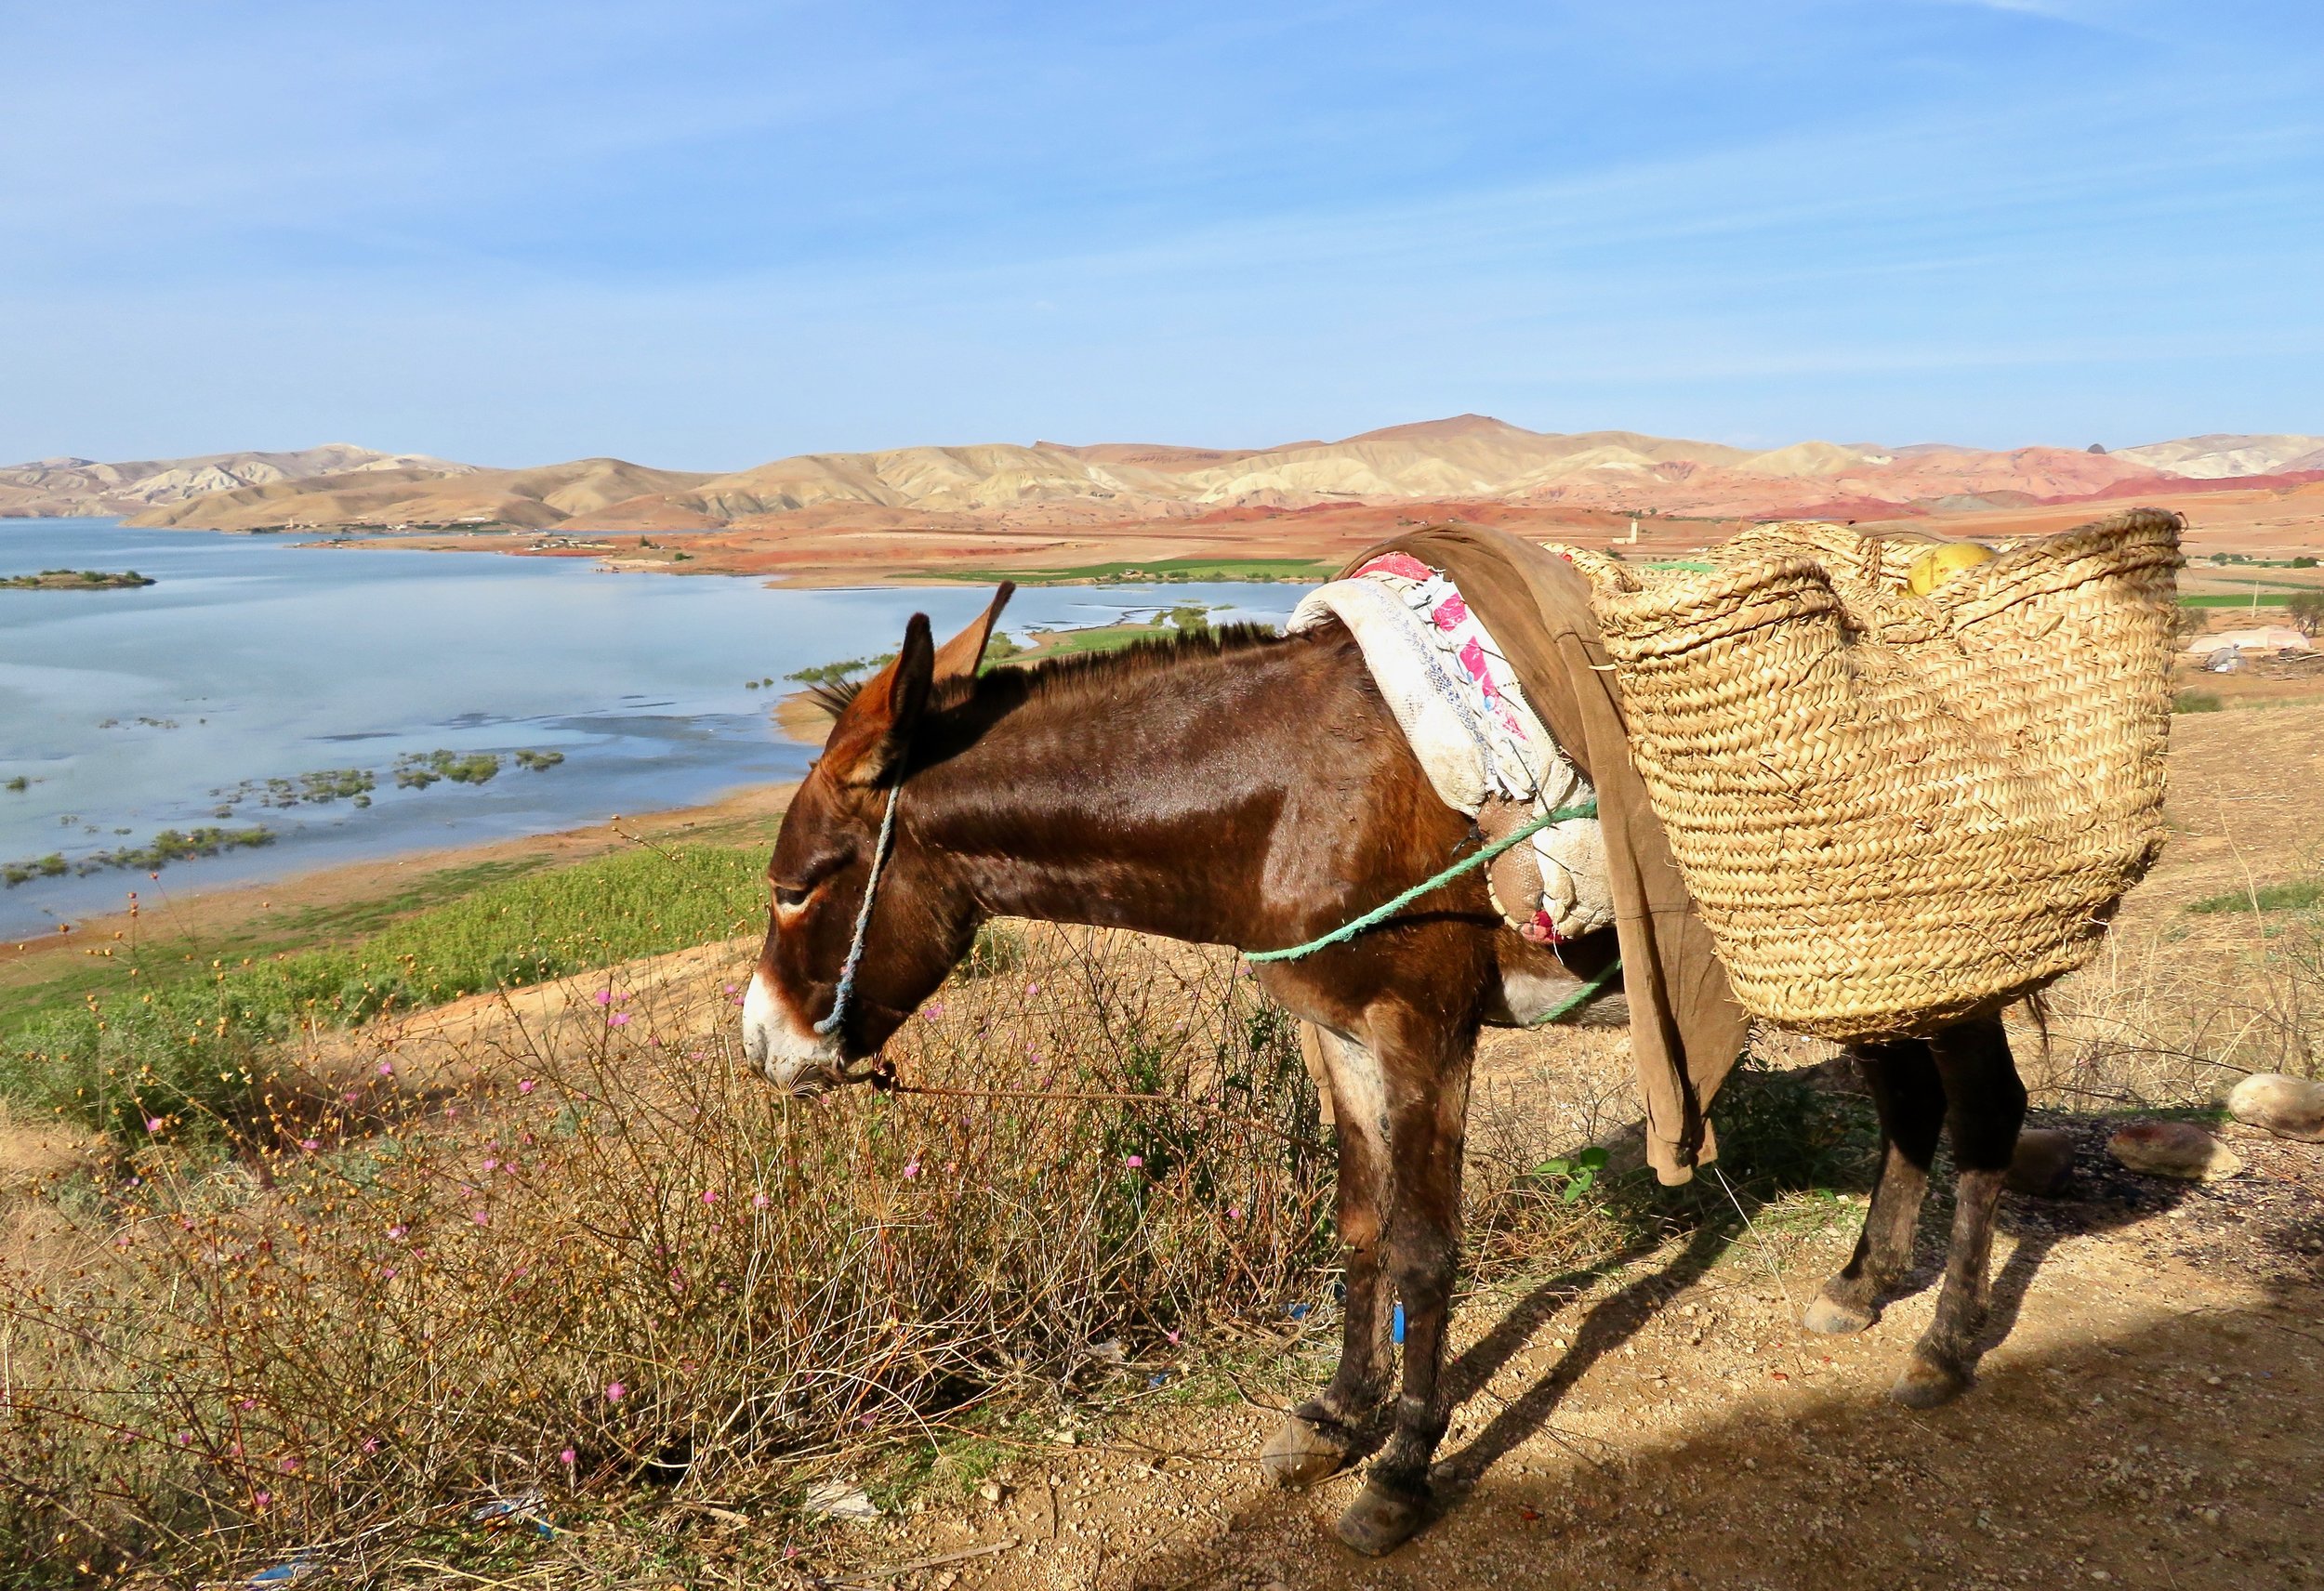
(1318, 1438)
(1910, 1097)
(1985, 1107)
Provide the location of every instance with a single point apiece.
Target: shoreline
(278, 905)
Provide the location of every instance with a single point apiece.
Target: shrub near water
(623, 1259)
(191, 1054)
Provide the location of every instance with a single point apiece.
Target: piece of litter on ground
(838, 1500)
(1396, 1329)
(506, 1510)
(283, 1573)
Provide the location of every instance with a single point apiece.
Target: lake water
(254, 659)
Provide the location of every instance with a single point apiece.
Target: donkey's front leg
(1318, 1436)
(1427, 1088)
(1909, 1096)
(1984, 1106)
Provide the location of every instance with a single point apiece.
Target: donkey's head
(857, 934)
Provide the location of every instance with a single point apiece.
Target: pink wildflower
(387, 1273)
(154, 1124)
(709, 1195)
(481, 1217)
(615, 1392)
(371, 1445)
(398, 1231)
(491, 1165)
(568, 1458)
(310, 1145)
(604, 996)
(263, 1498)
(1173, 1336)
(1032, 988)
(527, 1085)
(1234, 1211)
(618, 1019)
(386, 1069)
(759, 1200)
(912, 1169)
(1135, 1161)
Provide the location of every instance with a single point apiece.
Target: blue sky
(704, 235)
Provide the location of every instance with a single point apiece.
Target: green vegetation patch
(2243, 599)
(418, 770)
(2298, 895)
(189, 1052)
(77, 580)
(2197, 701)
(170, 845)
(1169, 571)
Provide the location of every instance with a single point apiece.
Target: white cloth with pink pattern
(1461, 706)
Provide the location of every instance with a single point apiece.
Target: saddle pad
(1461, 706)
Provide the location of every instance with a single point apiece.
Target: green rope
(1379, 915)
(1565, 1008)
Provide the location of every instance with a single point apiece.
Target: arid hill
(52, 487)
(1467, 458)
(548, 494)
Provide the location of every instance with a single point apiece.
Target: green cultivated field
(1168, 570)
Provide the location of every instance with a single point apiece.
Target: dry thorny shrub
(2163, 1018)
(614, 1255)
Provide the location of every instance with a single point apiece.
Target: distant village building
(2225, 653)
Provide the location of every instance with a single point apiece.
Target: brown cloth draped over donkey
(1686, 1027)
(1253, 789)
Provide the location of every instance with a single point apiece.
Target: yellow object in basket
(1937, 565)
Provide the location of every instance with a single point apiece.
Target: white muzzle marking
(782, 1045)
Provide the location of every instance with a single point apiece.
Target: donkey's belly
(1535, 983)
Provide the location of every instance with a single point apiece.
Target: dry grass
(612, 1258)
(2164, 1017)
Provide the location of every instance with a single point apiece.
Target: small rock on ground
(2278, 1102)
(2173, 1149)
(2043, 1163)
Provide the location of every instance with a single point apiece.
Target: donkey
(1253, 789)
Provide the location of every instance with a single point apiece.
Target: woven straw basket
(1896, 810)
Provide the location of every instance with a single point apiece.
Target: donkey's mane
(1073, 673)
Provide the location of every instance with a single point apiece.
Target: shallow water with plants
(361, 703)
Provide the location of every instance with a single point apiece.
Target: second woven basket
(1896, 810)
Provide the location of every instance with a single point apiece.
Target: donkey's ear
(868, 742)
(958, 658)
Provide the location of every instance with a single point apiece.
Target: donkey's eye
(790, 896)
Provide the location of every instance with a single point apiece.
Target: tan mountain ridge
(1463, 458)
(547, 494)
(51, 487)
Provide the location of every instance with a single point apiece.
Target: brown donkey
(1253, 791)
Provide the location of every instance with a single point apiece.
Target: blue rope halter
(830, 1024)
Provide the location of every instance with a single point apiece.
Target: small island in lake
(76, 580)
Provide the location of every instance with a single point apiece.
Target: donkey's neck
(1144, 795)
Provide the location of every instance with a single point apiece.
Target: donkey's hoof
(1301, 1454)
(1383, 1519)
(1928, 1382)
(1830, 1318)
